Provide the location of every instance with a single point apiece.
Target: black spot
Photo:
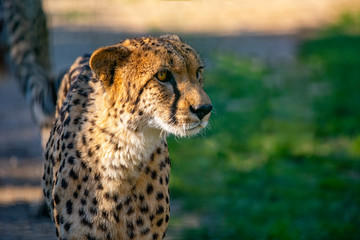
(78, 187)
(167, 161)
(73, 175)
(77, 120)
(167, 218)
(57, 232)
(86, 193)
(159, 210)
(78, 155)
(107, 195)
(158, 223)
(83, 165)
(155, 236)
(89, 237)
(153, 174)
(127, 201)
(116, 217)
(71, 160)
(93, 210)
(158, 150)
(57, 218)
(56, 199)
(94, 201)
(64, 184)
(104, 214)
(144, 209)
(61, 219)
(102, 227)
(149, 188)
(86, 222)
(67, 121)
(167, 180)
(70, 146)
(69, 207)
(139, 221)
(147, 170)
(67, 226)
(85, 178)
(100, 187)
(90, 153)
(83, 201)
(161, 180)
(115, 198)
(119, 207)
(130, 211)
(145, 231)
(97, 177)
(76, 101)
(75, 194)
(108, 237)
(67, 135)
(130, 234)
(130, 225)
(81, 212)
(162, 164)
(151, 217)
(141, 197)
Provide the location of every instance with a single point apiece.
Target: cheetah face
(157, 81)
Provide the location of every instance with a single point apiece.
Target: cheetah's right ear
(105, 61)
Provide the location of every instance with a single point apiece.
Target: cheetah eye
(198, 72)
(164, 76)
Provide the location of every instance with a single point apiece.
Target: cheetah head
(156, 83)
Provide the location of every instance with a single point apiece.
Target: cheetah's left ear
(171, 37)
(104, 62)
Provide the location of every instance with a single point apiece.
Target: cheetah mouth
(196, 127)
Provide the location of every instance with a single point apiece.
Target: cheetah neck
(119, 152)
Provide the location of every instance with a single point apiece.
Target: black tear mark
(175, 102)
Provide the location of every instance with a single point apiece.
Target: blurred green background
(281, 158)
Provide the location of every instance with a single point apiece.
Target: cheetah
(24, 28)
(107, 165)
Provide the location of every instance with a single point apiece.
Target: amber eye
(163, 76)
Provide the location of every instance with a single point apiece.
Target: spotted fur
(107, 166)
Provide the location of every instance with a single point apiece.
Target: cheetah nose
(202, 110)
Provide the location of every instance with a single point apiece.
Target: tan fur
(107, 166)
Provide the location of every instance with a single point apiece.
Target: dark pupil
(167, 74)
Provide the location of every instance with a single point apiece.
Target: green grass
(281, 159)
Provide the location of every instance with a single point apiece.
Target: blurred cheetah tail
(27, 37)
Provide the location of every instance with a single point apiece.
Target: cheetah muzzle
(107, 166)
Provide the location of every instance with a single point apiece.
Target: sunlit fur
(113, 117)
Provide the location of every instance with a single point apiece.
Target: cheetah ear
(171, 37)
(104, 62)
